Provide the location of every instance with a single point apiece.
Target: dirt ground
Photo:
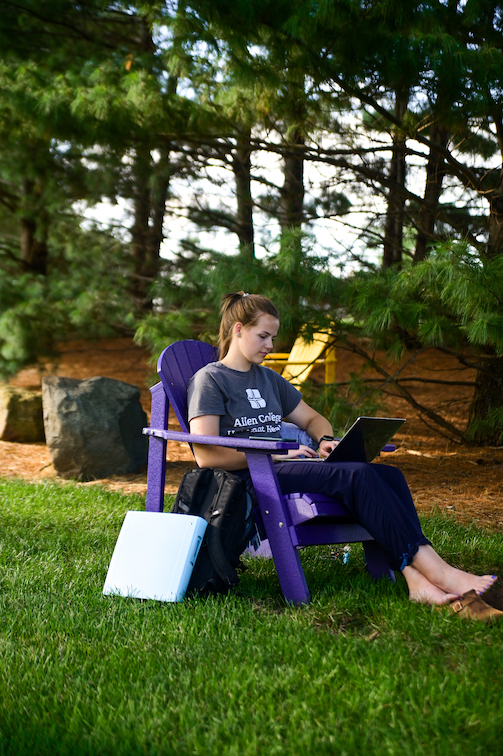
(465, 483)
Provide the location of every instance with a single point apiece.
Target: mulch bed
(463, 482)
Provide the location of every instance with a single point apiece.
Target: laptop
(365, 439)
(362, 443)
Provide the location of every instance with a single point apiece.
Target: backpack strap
(229, 490)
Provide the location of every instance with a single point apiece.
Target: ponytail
(240, 307)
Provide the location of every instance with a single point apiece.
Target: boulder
(21, 417)
(93, 428)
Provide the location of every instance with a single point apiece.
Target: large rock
(21, 416)
(93, 428)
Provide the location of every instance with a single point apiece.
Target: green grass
(358, 671)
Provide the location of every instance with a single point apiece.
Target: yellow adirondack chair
(297, 365)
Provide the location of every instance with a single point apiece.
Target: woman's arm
(314, 424)
(222, 456)
(214, 456)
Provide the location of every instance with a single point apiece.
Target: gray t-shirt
(251, 403)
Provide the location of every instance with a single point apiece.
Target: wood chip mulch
(462, 482)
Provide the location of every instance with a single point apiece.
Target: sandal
(472, 606)
(494, 597)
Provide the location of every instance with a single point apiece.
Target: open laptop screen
(365, 439)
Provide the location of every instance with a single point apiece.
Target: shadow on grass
(358, 670)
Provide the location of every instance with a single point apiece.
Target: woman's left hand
(326, 447)
(302, 451)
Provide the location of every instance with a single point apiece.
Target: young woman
(237, 396)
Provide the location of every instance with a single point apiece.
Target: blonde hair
(240, 307)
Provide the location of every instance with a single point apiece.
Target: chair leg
(377, 563)
(156, 468)
(156, 474)
(285, 555)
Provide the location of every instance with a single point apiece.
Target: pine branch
(222, 147)
(464, 361)
(391, 379)
(461, 169)
(437, 430)
(78, 32)
(8, 197)
(6, 251)
(416, 379)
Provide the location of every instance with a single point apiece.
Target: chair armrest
(244, 444)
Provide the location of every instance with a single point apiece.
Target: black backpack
(222, 499)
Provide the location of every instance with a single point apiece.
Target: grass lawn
(358, 671)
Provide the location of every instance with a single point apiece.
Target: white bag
(154, 555)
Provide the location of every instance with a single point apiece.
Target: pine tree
(74, 108)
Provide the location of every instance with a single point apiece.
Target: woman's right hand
(302, 452)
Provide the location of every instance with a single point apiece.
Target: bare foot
(462, 582)
(432, 596)
(449, 579)
(421, 591)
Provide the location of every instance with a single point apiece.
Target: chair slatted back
(176, 366)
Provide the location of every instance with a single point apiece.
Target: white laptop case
(154, 555)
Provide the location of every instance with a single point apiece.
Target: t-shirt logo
(255, 399)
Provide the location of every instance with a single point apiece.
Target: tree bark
(150, 188)
(151, 182)
(33, 242)
(241, 165)
(484, 424)
(393, 232)
(435, 172)
(495, 224)
(291, 206)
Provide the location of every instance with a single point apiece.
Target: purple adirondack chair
(290, 522)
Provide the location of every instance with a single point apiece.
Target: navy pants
(376, 495)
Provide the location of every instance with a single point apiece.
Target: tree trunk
(291, 206)
(150, 188)
(34, 251)
(435, 172)
(484, 425)
(393, 233)
(495, 240)
(241, 165)
(33, 243)
(151, 182)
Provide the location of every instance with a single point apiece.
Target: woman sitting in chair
(237, 396)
